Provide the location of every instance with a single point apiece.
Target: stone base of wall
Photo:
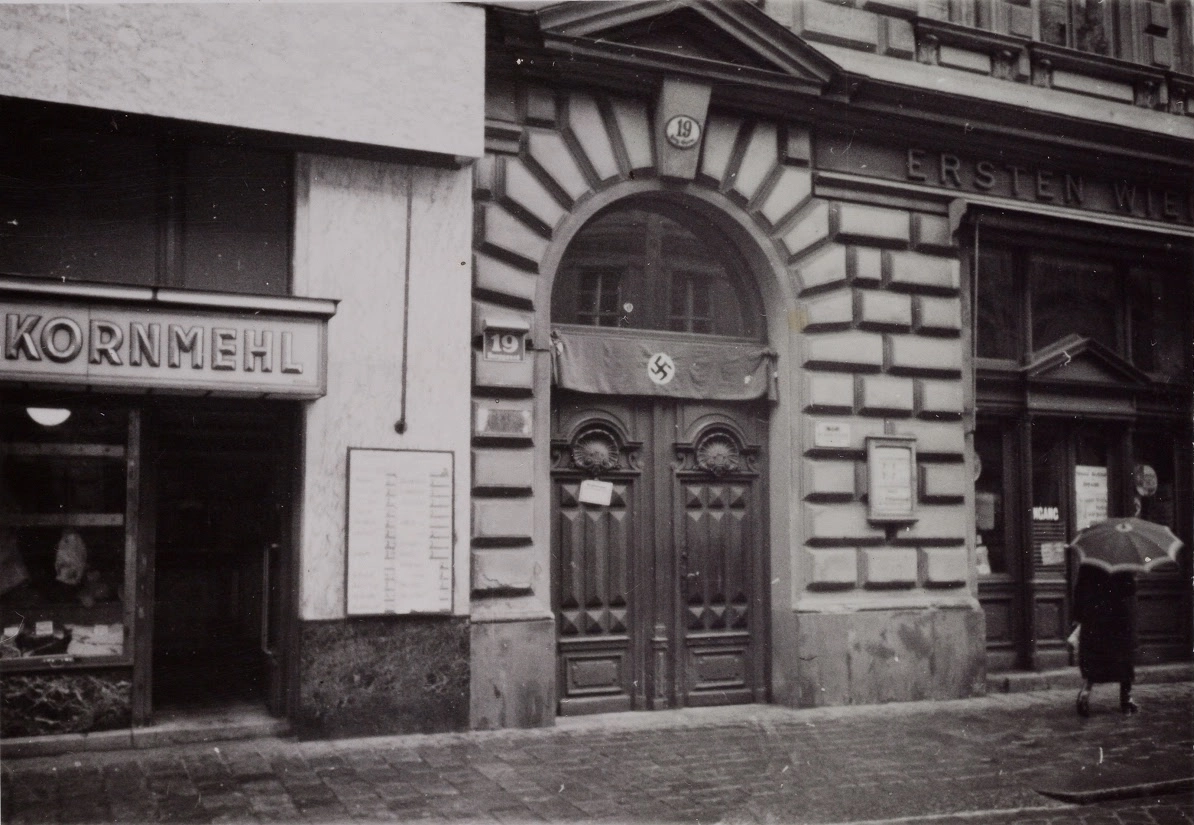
(869, 657)
(380, 676)
(513, 674)
(35, 704)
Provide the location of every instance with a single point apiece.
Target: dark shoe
(1129, 707)
(1084, 703)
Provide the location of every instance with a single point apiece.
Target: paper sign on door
(596, 492)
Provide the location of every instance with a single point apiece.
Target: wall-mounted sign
(156, 346)
(1144, 479)
(1046, 514)
(501, 345)
(831, 434)
(502, 422)
(1090, 495)
(683, 132)
(891, 475)
(1162, 198)
(399, 532)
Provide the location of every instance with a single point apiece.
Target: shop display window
(64, 561)
(991, 541)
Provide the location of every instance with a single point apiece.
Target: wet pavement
(1022, 758)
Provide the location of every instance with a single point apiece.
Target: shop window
(102, 205)
(989, 505)
(1139, 312)
(1153, 482)
(63, 549)
(649, 269)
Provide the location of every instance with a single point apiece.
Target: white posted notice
(399, 532)
(1090, 495)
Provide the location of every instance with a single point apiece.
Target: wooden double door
(660, 594)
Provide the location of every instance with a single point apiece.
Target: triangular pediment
(1078, 359)
(695, 37)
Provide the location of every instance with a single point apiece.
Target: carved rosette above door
(596, 448)
(718, 451)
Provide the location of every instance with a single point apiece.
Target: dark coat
(1105, 605)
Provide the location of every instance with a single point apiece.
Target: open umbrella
(1126, 544)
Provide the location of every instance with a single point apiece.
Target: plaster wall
(368, 73)
(354, 221)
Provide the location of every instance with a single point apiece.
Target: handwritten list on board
(399, 532)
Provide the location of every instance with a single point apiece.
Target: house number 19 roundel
(682, 131)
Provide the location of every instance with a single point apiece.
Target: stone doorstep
(175, 732)
(1069, 678)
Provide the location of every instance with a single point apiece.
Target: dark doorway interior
(220, 506)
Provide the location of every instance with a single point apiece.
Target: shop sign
(1041, 182)
(162, 348)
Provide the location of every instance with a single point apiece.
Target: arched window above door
(655, 268)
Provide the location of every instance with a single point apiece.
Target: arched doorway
(659, 428)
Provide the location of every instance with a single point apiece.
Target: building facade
(436, 367)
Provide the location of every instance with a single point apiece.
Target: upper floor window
(655, 269)
(1139, 308)
(110, 204)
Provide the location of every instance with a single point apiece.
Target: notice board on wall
(400, 505)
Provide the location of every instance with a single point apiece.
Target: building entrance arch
(659, 441)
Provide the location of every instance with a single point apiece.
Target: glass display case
(66, 559)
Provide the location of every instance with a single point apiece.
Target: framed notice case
(891, 478)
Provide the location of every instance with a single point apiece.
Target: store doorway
(222, 583)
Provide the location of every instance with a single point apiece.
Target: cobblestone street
(986, 758)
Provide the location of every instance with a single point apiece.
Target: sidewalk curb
(1167, 786)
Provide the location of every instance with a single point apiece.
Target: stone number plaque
(399, 532)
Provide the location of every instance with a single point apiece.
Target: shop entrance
(221, 579)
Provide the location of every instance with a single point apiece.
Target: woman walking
(1105, 608)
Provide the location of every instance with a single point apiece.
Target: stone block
(940, 524)
(485, 177)
(829, 393)
(939, 399)
(945, 566)
(900, 39)
(830, 23)
(916, 355)
(824, 268)
(494, 315)
(517, 375)
(830, 524)
(885, 395)
(964, 59)
(867, 266)
(943, 483)
(588, 126)
(829, 480)
(888, 567)
(502, 571)
(913, 271)
(934, 438)
(791, 189)
(798, 148)
(513, 674)
(634, 124)
(549, 150)
(832, 568)
(500, 231)
(873, 225)
(762, 153)
(810, 227)
(1093, 86)
(873, 656)
(884, 310)
(851, 351)
(509, 469)
(503, 519)
(938, 315)
(930, 233)
(541, 106)
(525, 191)
(721, 133)
(493, 275)
(835, 309)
